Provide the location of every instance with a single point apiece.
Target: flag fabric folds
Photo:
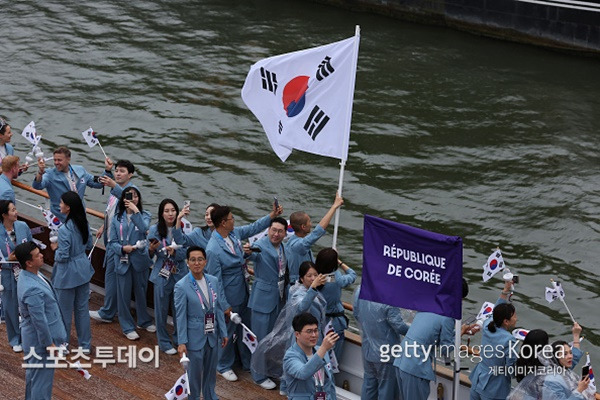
(555, 292)
(90, 137)
(180, 390)
(588, 363)
(486, 311)
(494, 264)
(30, 133)
(304, 99)
(249, 338)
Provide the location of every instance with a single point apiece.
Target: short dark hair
(501, 313)
(63, 150)
(278, 220)
(194, 248)
(127, 164)
(218, 214)
(297, 219)
(327, 261)
(23, 252)
(303, 319)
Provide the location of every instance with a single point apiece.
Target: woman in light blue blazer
(486, 385)
(327, 263)
(12, 233)
(6, 148)
(129, 246)
(168, 269)
(72, 269)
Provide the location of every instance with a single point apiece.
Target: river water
(462, 135)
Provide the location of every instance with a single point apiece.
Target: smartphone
(97, 178)
(129, 195)
(276, 202)
(153, 240)
(585, 371)
(255, 249)
(515, 279)
(471, 320)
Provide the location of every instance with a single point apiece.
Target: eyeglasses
(196, 260)
(311, 331)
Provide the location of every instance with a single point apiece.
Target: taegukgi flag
(304, 99)
(90, 137)
(411, 268)
(30, 133)
(180, 390)
(494, 264)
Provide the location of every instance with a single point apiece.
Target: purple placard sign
(411, 268)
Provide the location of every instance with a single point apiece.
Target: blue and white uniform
(71, 280)
(305, 377)
(299, 250)
(10, 303)
(132, 269)
(6, 189)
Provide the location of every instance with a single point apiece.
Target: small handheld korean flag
(555, 292)
(30, 134)
(249, 338)
(304, 99)
(186, 226)
(90, 137)
(494, 264)
(83, 372)
(486, 311)
(520, 333)
(588, 363)
(180, 390)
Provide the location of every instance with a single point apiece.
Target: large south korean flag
(304, 99)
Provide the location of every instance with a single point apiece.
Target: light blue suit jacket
(198, 237)
(42, 323)
(161, 256)
(332, 293)
(483, 381)
(133, 231)
(72, 267)
(116, 192)
(190, 313)
(427, 329)
(10, 150)
(6, 189)
(265, 292)
(56, 183)
(23, 234)
(227, 266)
(380, 324)
(298, 372)
(299, 250)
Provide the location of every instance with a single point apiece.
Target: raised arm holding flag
(304, 101)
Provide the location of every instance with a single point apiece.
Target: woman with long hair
(169, 268)
(199, 236)
(328, 263)
(563, 383)
(12, 233)
(132, 262)
(72, 268)
(497, 335)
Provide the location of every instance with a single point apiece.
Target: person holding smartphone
(564, 383)
(199, 236)
(132, 262)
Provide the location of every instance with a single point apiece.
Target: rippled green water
(462, 135)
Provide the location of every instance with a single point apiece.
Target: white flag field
(304, 99)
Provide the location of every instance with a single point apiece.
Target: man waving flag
(304, 99)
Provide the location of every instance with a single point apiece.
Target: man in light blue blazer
(299, 245)
(225, 260)
(124, 171)
(414, 368)
(270, 283)
(64, 177)
(380, 325)
(10, 171)
(201, 324)
(306, 377)
(42, 327)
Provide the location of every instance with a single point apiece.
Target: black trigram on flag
(324, 69)
(280, 127)
(316, 122)
(269, 80)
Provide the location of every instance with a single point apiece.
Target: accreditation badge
(209, 323)
(320, 395)
(124, 259)
(16, 271)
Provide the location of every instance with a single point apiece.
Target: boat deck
(118, 381)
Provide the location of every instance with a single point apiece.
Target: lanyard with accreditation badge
(320, 382)
(16, 269)
(209, 317)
